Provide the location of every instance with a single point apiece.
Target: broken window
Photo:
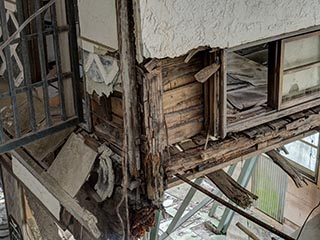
(247, 82)
(300, 69)
(304, 155)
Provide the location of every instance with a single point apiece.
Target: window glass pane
(313, 139)
(301, 52)
(303, 154)
(301, 83)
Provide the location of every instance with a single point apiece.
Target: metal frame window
(46, 98)
(304, 154)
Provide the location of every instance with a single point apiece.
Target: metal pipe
(234, 208)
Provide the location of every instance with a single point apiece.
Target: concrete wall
(171, 28)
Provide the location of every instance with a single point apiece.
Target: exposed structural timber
(236, 209)
(233, 190)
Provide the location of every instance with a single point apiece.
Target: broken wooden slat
(176, 68)
(233, 190)
(203, 75)
(193, 52)
(284, 163)
(73, 164)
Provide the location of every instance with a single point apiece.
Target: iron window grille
(39, 70)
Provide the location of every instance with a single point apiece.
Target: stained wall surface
(171, 28)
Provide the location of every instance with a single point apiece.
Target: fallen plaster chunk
(73, 164)
(105, 184)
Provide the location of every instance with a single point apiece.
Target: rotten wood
(128, 75)
(236, 147)
(233, 190)
(285, 165)
(155, 143)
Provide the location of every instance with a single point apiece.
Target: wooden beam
(233, 190)
(155, 135)
(128, 75)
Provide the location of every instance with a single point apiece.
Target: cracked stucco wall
(171, 28)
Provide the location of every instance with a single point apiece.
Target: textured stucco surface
(171, 28)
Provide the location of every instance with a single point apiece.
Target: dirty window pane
(301, 52)
(301, 70)
(304, 153)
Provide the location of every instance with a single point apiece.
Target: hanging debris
(286, 166)
(233, 190)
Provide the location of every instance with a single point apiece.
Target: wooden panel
(183, 97)
(175, 68)
(116, 106)
(180, 117)
(180, 81)
(184, 131)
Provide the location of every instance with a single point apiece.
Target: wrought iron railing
(39, 70)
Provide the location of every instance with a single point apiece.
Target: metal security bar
(39, 70)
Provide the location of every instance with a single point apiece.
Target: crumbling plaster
(171, 28)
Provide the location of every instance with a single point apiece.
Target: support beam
(236, 209)
(129, 81)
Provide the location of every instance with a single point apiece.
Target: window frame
(277, 109)
(305, 171)
(300, 99)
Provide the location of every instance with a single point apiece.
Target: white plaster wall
(98, 22)
(172, 27)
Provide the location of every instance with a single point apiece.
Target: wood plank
(116, 106)
(155, 141)
(180, 81)
(130, 99)
(184, 131)
(186, 115)
(181, 97)
(73, 164)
